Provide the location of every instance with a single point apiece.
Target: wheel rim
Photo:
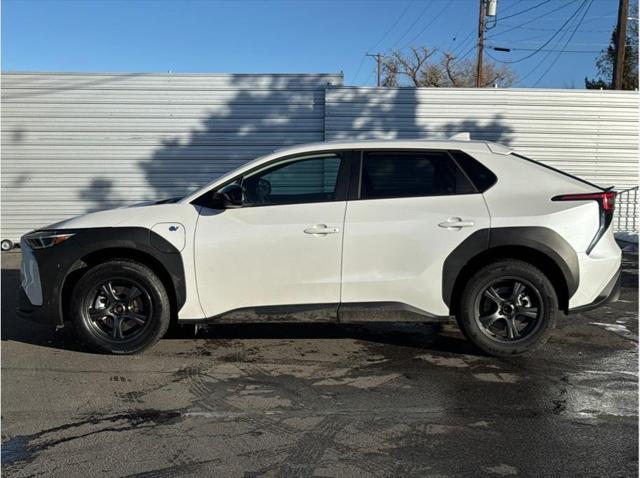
(509, 310)
(118, 310)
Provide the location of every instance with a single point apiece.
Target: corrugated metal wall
(593, 134)
(590, 133)
(73, 143)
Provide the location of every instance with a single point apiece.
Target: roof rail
(462, 136)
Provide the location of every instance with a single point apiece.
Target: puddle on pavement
(17, 449)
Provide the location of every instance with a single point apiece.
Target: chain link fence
(626, 215)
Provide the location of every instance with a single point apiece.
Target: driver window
(297, 180)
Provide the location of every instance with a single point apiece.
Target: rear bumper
(610, 293)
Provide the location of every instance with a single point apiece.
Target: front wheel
(508, 308)
(120, 307)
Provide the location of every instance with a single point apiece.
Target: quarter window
(393, 174)
(482, 178)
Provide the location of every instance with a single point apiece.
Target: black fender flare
(540, 239)
(56, 264)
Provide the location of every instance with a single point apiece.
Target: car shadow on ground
(431, 337)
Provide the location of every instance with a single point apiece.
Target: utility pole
(378, 57)
(480, 53)
(621, 40)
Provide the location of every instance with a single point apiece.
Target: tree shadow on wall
(254, 120)
(262, 114)
(409, 113)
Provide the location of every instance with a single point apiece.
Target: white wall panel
(590, 133)
(73, 143)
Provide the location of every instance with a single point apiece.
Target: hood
(108, 218)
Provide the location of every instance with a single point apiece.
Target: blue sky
(291, 36)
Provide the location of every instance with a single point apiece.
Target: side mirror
(229, 197)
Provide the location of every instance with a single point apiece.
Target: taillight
(606, 201)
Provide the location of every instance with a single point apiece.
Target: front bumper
(44, 272)
(610, 293)
(43, 314)
(41, 277)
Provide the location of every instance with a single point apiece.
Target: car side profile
(352, 231)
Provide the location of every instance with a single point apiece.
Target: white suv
(342, 232)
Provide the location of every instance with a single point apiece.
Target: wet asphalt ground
(323, 400)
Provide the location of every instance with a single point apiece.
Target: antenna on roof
(464, 136)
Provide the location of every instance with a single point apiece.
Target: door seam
(344, 232)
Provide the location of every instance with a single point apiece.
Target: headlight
(44, 239)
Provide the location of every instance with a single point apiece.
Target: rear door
(411, 210)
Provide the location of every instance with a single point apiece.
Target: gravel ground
(323, 400)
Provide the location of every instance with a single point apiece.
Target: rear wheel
(120, 307)
(508, 308)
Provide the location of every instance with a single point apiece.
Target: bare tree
(425, 67)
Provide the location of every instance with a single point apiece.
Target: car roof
(468, 145)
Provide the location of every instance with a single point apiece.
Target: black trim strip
(540, 239)
(473, 245)
(355, 312)
(610, 293)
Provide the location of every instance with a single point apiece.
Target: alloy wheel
(118, 309)
(509, 310)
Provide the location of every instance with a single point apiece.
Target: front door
(282, 246)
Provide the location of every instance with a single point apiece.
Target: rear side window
(481, 177)
(396, 174)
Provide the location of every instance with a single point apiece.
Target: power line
(532, 20)
(535, 51)
(458, 60)
(551, 51)
(460, 46)
(513, 5)
(424, 10)
(590, 19)
(455, 35)
(447, 5)
(565, 45)
(392, 26)
(525, 10)
(603, 45)
(544, 58)
(406, 9)
(370, 77)
(552, 29)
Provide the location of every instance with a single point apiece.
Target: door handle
(321, 230)
(456, 223)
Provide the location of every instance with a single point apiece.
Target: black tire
(499, 320)
(129, 304)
